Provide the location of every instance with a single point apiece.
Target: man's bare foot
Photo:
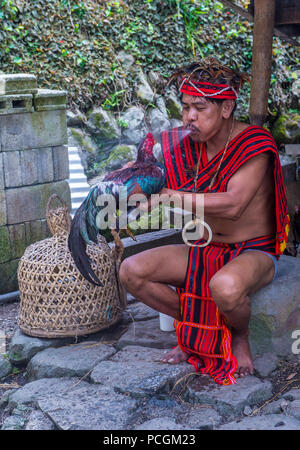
(175, 356)
(241, 350)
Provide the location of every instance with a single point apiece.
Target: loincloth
(202, 332)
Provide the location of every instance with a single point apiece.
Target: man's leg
(231, 287)
(147, 275)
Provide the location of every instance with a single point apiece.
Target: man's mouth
(192, 129)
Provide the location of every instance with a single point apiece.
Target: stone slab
(19, 83)
(3, 210)
(16, 104)
(36, 230)
(12, 169)
(36, 166)
(60, 162)
(38, 421)
(269, 422)
(33, 130)
(192, 416)
(22, 347)
(5, 367)
(68, 361)
(139, 372)
(292, 149)
(8, 276)
(139, 311)
(266, 364)
(228, 400)
(162, 423)
(72, 404)
(5, 251)
(1, 172)
(147, 334)
(49, 100)
(275, 311)
(37, 197)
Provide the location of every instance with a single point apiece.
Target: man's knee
(130, 274)
(227, 291)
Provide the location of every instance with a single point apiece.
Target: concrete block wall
(33, 166)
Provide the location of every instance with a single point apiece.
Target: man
(234, 168)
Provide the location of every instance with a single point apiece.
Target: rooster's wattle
(146, 176)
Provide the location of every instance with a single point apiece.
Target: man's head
(208, 92)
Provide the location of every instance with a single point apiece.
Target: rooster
(145, 176)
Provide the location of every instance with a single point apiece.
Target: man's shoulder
(246, 128)
(256, 137)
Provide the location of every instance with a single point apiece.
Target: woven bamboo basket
(55, 299)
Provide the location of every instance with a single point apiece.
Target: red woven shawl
(202, 331)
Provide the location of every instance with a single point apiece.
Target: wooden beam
(264, 19)
(250, 17)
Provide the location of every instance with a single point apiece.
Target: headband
(206, 89)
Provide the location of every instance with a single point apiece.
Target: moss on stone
(119, 156)
(17, 239)
(286, 129)
(5, 253)
(3, 213)
(103, 124)
(83, 140)
(8, 276)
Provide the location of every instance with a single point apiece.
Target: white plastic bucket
(166, 322)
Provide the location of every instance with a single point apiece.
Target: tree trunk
(264, 19)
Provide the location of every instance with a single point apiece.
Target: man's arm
(241, 189)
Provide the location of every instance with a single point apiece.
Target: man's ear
(227, 108)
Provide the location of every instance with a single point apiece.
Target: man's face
(203, 117)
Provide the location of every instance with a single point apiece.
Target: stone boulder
(117, 158)
(144, 91)
(286, 129)
(103, 125)
(134, 117)
(276, 311)
(5, 367)
(158, 123)
(173, 105)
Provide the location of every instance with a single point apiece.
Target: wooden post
(264, 19)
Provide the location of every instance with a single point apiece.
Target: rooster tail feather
(77, 242)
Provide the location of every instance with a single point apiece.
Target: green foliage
(73, 45)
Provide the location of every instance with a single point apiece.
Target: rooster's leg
(119, 245)
(129, 232)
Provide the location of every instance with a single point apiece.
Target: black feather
(77, 247)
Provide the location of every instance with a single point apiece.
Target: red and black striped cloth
(207, 89)
(202, 331)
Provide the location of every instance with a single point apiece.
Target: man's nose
(192, 115)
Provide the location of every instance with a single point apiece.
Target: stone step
(82, 193)
(77, 187)
(74, 156)
(77, 166)
(78, 199)
(77, 177)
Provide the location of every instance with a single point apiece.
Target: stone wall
(33, 166)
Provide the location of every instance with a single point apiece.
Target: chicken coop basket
(55, 299)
